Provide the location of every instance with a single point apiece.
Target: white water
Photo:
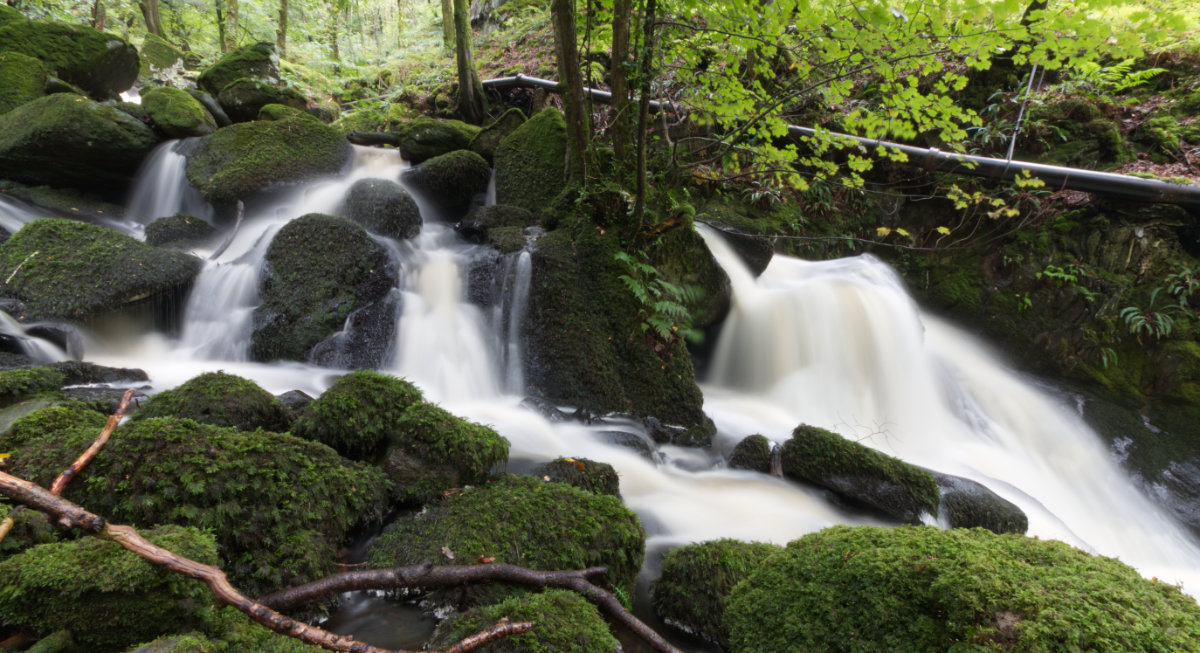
(836, 344)
(162, 189)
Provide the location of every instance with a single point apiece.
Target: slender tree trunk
(399, 23)
(562, 14)
(470, 90)
(448, 24)
(232, 32)
(622, 130)
(153, 20)
(281, 29)
(332, 35)
(643, 121)
(222, 41)
(98, 15)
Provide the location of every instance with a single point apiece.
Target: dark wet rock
(179, 231)
(100, 63)
(677, 434)
(752, 453)
(104, 399)
(451, 181)
(755, 251)
(295, 400)
(584, 474)
(383, 207)
(242, 99)
(967, 504)
(366, 340)
(529, 162)
(84, 373)
(176, 113)
(213, 107)
(477, 226)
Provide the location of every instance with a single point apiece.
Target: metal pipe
(1125, 187)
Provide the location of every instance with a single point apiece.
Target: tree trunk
(98, 15)
(643, 120)
(232, 32)
(281, 29)
(562, 14)
(622, 123)
(222, 41)
(153, 20)
(448, 24)
(470, 90)
(332, 35)
(399, 23)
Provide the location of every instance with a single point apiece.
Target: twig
(19, 265)
(69, 473)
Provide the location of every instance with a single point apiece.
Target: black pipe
(1125, 187)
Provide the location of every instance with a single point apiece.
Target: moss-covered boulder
(106, 596)
(242, 99)
(488, 139)
(530, 162)
(696, 581)
(257, 61)
(21, 382)
(306, 498)
(490, 224)
(590, 475)
(424, 138)
(229, 632)
(1075, 132)
(752, 453)
(180, 231)
(158, 55)
(69, 140)
(524, 521)
(176, 113)
(924, 589)
(562, 621)
(76, 271)
(859, 473)
(359, 413)
(383, 207)
(452, 181)
(100, 63)
(22, 79)
(271, 111)
(219, 399)
(30, 528)
(968, 504)
(319, 268)
(430, 451)
(683, 258)
(240, 160)
(9, 14)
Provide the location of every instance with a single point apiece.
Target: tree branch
(69, 473)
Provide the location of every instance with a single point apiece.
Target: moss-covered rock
(924, 589)
(158, 55)
(76, 271)
(383, 207)
(479, 225)
(584, 474)
(430, 450)
(177, 113)
(319, 268)
(30, 528)
(967, 504)
(562, 621)
(424, 138)
(271, 111)
(530, 162)
(451, 181)
(155, 471)
(102, 64)
(241, 160)
(696, 581)
(752, 453)
(69, 140)
(22, 79)
(21, 382)
(106, 596)
(257, 61)
(9, 14)
(520, 520)
(359, 413)
(488, 139)
(682, 258)
(219, 399)
(180, 231)
(859, 473)
(1075, 132)
(242, 99)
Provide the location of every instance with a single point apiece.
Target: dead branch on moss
(70, 515)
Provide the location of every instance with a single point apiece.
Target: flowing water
(836, 344)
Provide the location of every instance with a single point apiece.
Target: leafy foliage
(663, 304)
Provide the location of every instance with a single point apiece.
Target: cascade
(162, 189)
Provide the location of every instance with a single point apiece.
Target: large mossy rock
(563, 621)
(918, 589)
(359, 413)
(488, 139)
(524, 521)
(683, 258)
(11, 14)
(219, 399)
(22, 79)
(319, 269)
(242, 99)
(279, 506)
(177, 113)
(586, 343)
(158, 55)
(76, 271)
(24, 381)
(530, 162)
(383, 207)
(69, 140)
(752, 453)
(424, 138)
(98, 62)
(451, 180)
(859, 473)
(109, 598)
(258, 61)
(240, 160)
(229, 632)
(179, 231)
(696, 581)
(590, 475)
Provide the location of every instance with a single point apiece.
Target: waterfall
(510, 300)
(14, 214)
(162, 189)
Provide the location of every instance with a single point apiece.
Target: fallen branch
(70, 515)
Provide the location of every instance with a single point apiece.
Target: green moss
(306, 498)
(1162, 132)
(320, 268)
(272, 111)
(430, 450)
(64, 269)
(22, 79)
(258, 60)
(856, 471)
(752, 453)
(10, 14)
(106, 596)
(28, 381)
(179, 230)
(520, 520)
(30, 528)
(219, 399)
(529, 162)
(177, 113)
(359, 413)
(584, 474)
(924, 589)
(562, 621)
(158, 54)
(101, 63)
(424, 138)
(488, 139)
(242, 99)
(451, 180)
(696, 581)
(239, 160)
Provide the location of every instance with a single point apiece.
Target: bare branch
(69, 473)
